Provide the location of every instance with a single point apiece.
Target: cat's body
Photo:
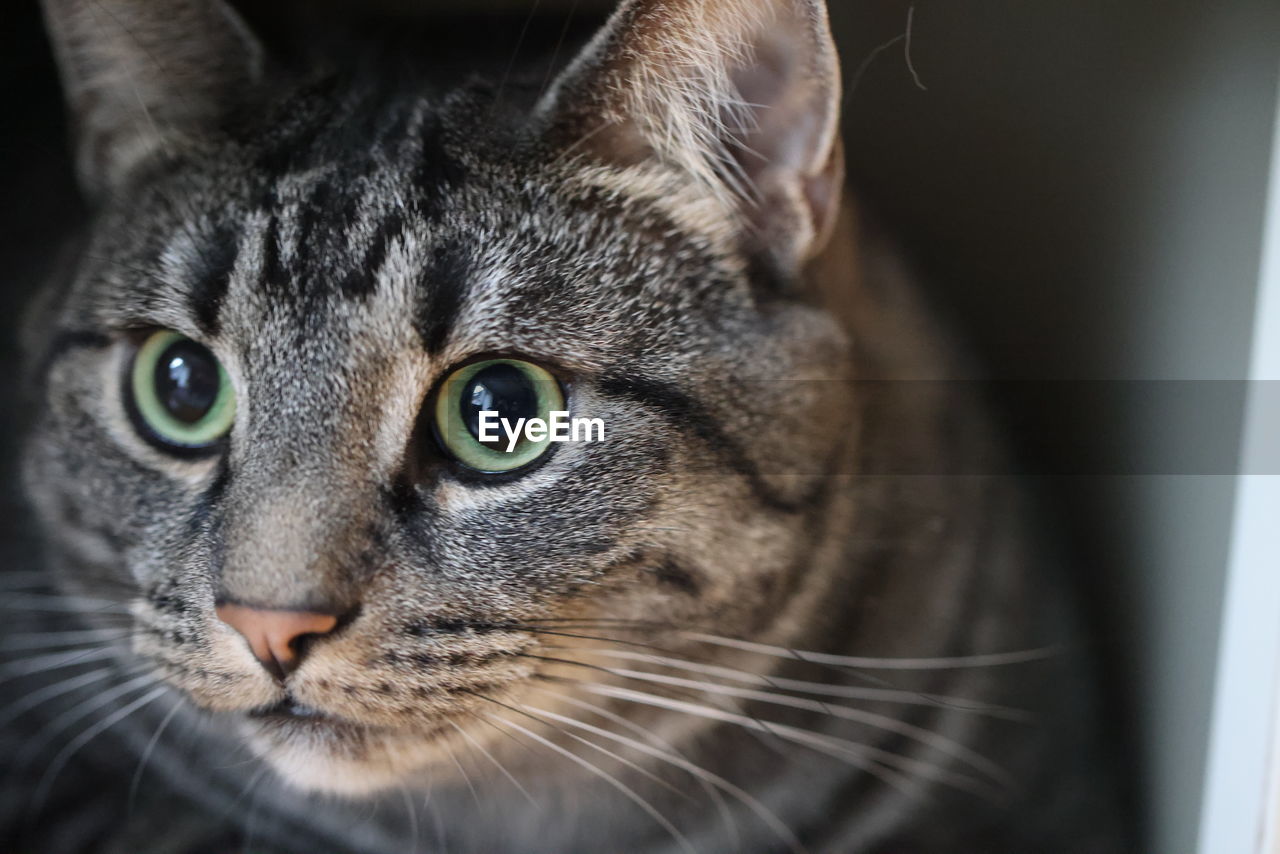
(558, 659)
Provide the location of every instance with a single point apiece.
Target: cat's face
(323, 273)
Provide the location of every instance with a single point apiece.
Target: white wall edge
(1271, 817)
(1238, 809)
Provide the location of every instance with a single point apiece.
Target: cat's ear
(140, 74)
(743, 95)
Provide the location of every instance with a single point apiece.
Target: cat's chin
(341, 759)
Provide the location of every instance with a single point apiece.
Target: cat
(288, 601)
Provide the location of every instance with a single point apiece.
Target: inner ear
(784, 143)
(785, 117)
(741, 95)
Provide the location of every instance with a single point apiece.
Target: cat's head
(297, 291)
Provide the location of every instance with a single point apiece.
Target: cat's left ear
(742, 95)
(140, 74)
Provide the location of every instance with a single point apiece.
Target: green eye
(487, 400)
(180, 392)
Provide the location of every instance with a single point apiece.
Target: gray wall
(1085, 180)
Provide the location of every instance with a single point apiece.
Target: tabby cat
(289, 600)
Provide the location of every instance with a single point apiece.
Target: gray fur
(341, 242)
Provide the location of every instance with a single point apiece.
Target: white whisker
(466, 778)
(850, 692)
(644, 772)
(502, 768)
(42, 640)
(250, 821)
(146, 754)
(83, 710)
(412, 809)
(436, 824)
(882, 722)
(712, 792)
(626, 790)
(997, 659)
(64, 756)
(870, 759)
(48, 692)
(706, 777)
(248, 787)
(17, 668)
(762, 733)
(56, 602)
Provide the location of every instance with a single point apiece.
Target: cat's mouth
(289, 712)
(318, 750)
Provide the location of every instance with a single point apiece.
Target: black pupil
(187, 381)
(504, 389)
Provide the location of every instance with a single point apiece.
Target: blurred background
(1086, 185)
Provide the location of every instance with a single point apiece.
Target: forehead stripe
(211, 277)
(274, 274)
(692, 418)
(361, 281)
(446, 281)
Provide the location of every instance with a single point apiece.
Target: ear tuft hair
(741, 95)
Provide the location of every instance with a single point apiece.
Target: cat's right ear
(742, 96)
(139, 75)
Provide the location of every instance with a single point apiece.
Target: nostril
(278, 638)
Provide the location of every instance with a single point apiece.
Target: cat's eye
(180, 392)
(481, 410)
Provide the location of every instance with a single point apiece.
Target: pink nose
(273, 635)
